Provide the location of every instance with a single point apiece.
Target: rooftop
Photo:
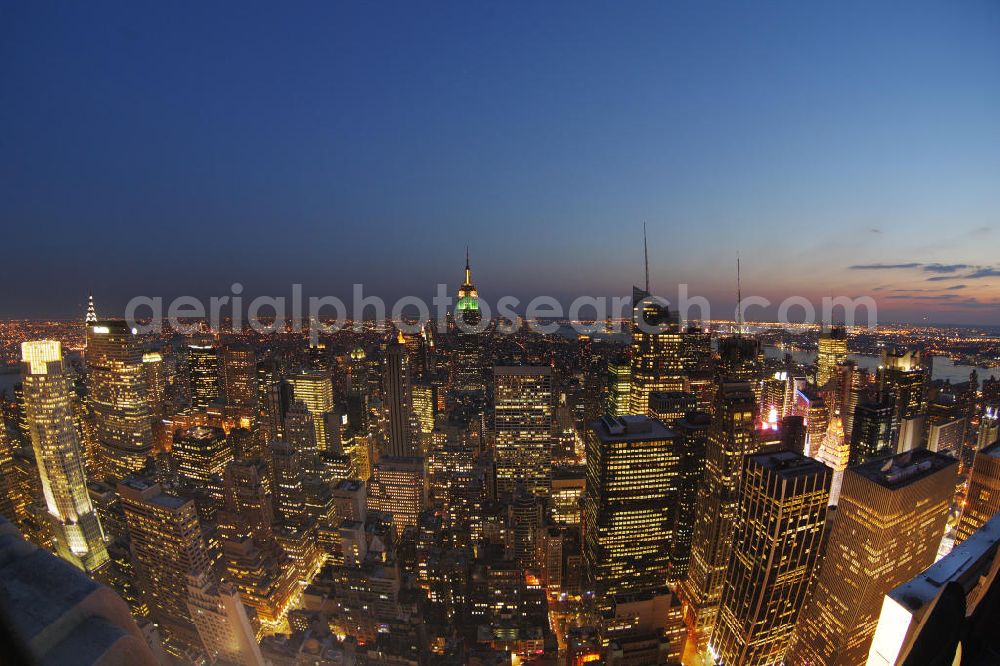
(903, 469)
(630, 428)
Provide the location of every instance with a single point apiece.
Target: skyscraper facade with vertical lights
(631, 496)
(118, 397)
(203, 373)
(889, 523)
(656, 351)
(731, 436)
(523, 418)
(315, 390)
(982, 499)
(780, 517)
(238, 366)
(77, 530)
(398, 401)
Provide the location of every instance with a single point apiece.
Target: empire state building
(467, 361)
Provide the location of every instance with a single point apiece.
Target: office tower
(301, 433)
(569, 484)
(731, 436)
(668, 407)
(78, 535)
(989, 427)
(691, 439)
(167, 546)
(811, 406)
(901, 377)
(632, 474)
(619, 388)
(118, 398)
(203, 373)
(424, 399)
(287, 484)
(201, 453)
(222, 622)
(696, 349)
(398, 485)
(871, 435)
(982, 500)
(772, 397)
(398, 401)
(315, 390)
(156, 383)
(835, 453)
(253, 558)
(946, 425)
(889, 523)
(523, 418)
(468, 364)
(656, 354)
(317, 358)
(741, 358)
(238, 364)
(780, 516)
(947, 613)
(832, 351)
(524, 517)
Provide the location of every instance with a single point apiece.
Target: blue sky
(174, 148)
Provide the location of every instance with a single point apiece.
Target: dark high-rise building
(731, 436)
(238, 364)
(118, 398)
(902, 378)
(469, 373)
(656, 354)
(692, 437)
(780, 518)
(398, 402)
(741, 358)
(523, 418)
(871, 434)
(890, 520)
(628, 509)
(203, 374)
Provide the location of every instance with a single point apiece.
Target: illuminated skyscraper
(118, 397)
(731, 436)
(203, 373)
(238, 364)
(468, 365)
(222, 622)
(523, 418)
(901, 377)
(315, 389)
(982, 500)
(156, 383)
(398, 401)
(889, 523)
(832, 351)
(632, 474)
(398, 486)
(668, 407)
(780, 518)
(619, 388)
(835, 453)
(424, 398)
(201, 453)
(78, 534)
(656, 354)
(167, 546)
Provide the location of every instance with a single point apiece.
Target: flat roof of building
(902, 469)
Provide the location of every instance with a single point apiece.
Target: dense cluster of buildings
(470, 497)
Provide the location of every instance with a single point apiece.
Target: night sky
(841, 148)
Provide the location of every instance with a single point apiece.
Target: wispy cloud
(938, 297)
(882, 267)
(957, 286)
(944, 268)
(984, 272)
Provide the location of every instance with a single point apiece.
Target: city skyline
(840, 152)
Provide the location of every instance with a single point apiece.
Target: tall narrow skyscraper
(78, 534)
(523, 418)
(780, 518)
(203, 373)
(468, 372)
(315, 390)
(238, 364)
(832, 350)
(982, 500)
(731, 436)
(398, 402)
(118, 397)
(890, 520)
